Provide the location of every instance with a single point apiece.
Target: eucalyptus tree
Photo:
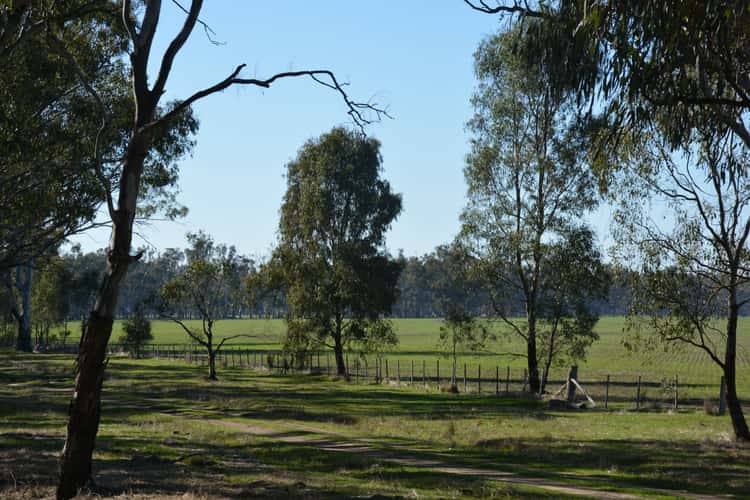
(139, 22)
(203, 286)
(527, 184)
(675, 71)
(695, 265)
(575, 278)
(59, 157)
(331, 258)
(461, 331)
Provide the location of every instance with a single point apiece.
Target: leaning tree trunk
(734, 405)
(85, 405)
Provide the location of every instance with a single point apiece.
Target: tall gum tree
(331, 257)
(527, 184)
(122, 203)
(682, 64)
(693, 269)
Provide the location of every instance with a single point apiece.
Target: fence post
(424, 376)
(411, 378)
(722, 396)
(398, 372)
(638, 394)
(507, 380)
(356, 371)
(437, 372)
(387, 378)
(571, 388)
(523, 389)
(606, 394)
(479, 378)
(465, 388)
(497, 380)
(676, 393)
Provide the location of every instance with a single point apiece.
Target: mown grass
(155, 438)
(698, 376)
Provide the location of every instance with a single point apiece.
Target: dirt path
(335, 442)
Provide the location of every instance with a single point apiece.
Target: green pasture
(697, 375)
(167, 432)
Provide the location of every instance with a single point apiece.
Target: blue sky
(413, 56)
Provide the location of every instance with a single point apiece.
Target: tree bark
(734, 405)
(83, 423)
(533, 364)
(338, 349)
(212, 364)
(23, 318)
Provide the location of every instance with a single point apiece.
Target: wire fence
(437, 374)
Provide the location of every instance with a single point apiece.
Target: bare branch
(357, 110)
(175, 46)
(210, 33)
(516, 8)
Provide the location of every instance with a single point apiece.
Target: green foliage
(331, 260)
(49, 304)
(527, 190)
(137, 332)
(62, 148)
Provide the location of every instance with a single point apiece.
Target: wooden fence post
(398, 372)
(424, 375)
(479, 378)
(497, 380)
(386, 370)
(606, 394)
(507, 380)
(465, 388)
(571, 388)
(523, 389)
(638, 394)
(411, 379)
(676, 393)
(437, 372)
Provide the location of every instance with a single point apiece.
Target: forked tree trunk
(734, 405)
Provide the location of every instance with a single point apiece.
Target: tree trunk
(533, 365)
(338, 348)
(739, 423)
(23, 285)
(212, 365)
(83, 423)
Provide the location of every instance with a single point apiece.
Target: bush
(137, 333)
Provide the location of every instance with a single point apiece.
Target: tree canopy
(331, 257)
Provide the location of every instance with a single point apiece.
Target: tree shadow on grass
(700, 467)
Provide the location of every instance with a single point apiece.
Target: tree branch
(175, 46)
(516, 8)
(357, 110)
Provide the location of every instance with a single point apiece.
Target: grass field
(166, 431)
(698, 377)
